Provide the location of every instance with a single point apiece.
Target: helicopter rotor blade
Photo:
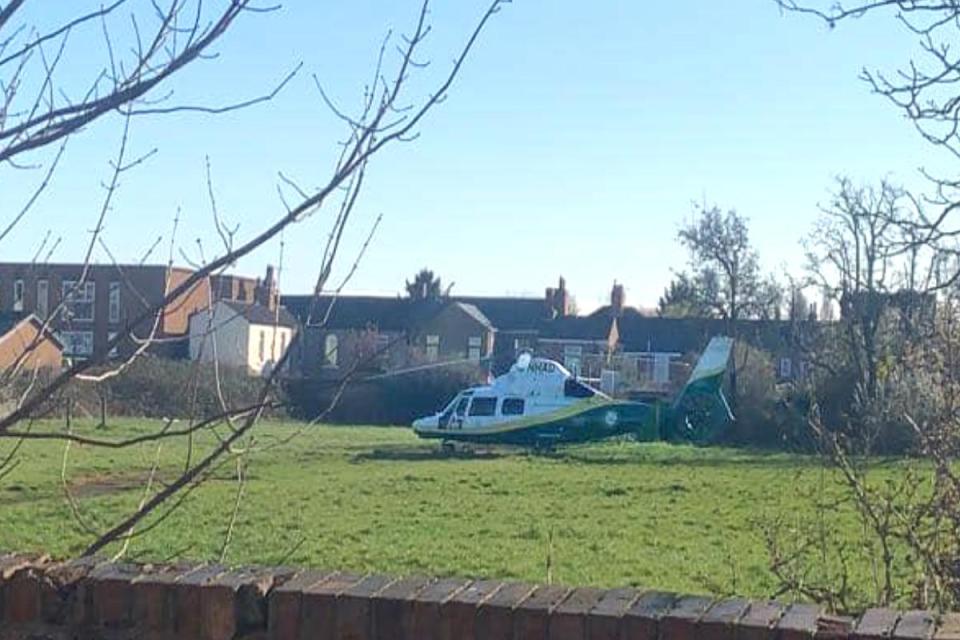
(426, 367)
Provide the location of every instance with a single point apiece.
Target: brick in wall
(91, 598)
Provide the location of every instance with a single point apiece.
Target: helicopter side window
(512, 407)
(576, 389)
(483, 407)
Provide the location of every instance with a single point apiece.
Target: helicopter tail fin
(708, 374)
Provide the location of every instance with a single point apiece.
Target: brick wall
(41, 599)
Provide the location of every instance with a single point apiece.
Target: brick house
(108, 298)
(620, 348)
(518, 320)
(660, 349)
(385, 334)
(652, 355)
(393, 332)
(26, 344)
(583, 344)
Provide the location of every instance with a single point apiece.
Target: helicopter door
(482, 411)
(459, 414)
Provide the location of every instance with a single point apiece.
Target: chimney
(562, 299)
(557, 300)
(548, 298)
(617, 298)
(265, 292)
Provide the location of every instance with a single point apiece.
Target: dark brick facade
(112, 296)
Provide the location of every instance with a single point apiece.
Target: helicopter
(538, 403)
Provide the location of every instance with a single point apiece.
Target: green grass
(377, 499)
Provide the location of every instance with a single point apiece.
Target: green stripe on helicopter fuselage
(590, 419)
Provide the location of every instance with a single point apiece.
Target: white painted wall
(225, 337)
(237, 341)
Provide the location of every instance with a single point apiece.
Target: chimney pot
(617, 299)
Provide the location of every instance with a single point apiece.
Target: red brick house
(385, 334)
(86, 308)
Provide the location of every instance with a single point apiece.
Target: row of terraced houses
(60, 312)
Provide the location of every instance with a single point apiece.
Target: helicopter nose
(425, 423)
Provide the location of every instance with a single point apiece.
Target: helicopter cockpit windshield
(456, 410)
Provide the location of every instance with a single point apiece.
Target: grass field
(377, 499)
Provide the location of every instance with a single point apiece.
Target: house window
(661, 368)
(786, 367)
(263, 344)
(114, 302)
(18, 295)
(78, 298)
(512, 407)
(572, 354)
(283, 342)
(43, 298)
(483, 407)
(331, 350)
(78, 344)
(473, 348)
(433, 348)
(608, 381)
(113, 351)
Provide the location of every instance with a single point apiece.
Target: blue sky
(573, 143)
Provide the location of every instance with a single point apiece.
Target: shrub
(153, 387)
(390, 399)
(160, 387)
(761, 414)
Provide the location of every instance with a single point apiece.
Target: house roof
(627, 312)
(11, 319)
(576, 328)
(509, 314)
(476, 314)
(671, 335)
(352, 312)
(258, 314)
(683, 335)
(399, 314)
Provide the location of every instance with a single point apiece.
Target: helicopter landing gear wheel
(544, 445)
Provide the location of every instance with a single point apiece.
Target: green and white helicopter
(540, 404)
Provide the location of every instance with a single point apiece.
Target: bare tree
(868, 255)
(909, 511)
(893, 268)
(720, 242)
(732, 284)
(883, 380)
(39, 114)
(924, 89)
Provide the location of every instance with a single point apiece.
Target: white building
(241, 335)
